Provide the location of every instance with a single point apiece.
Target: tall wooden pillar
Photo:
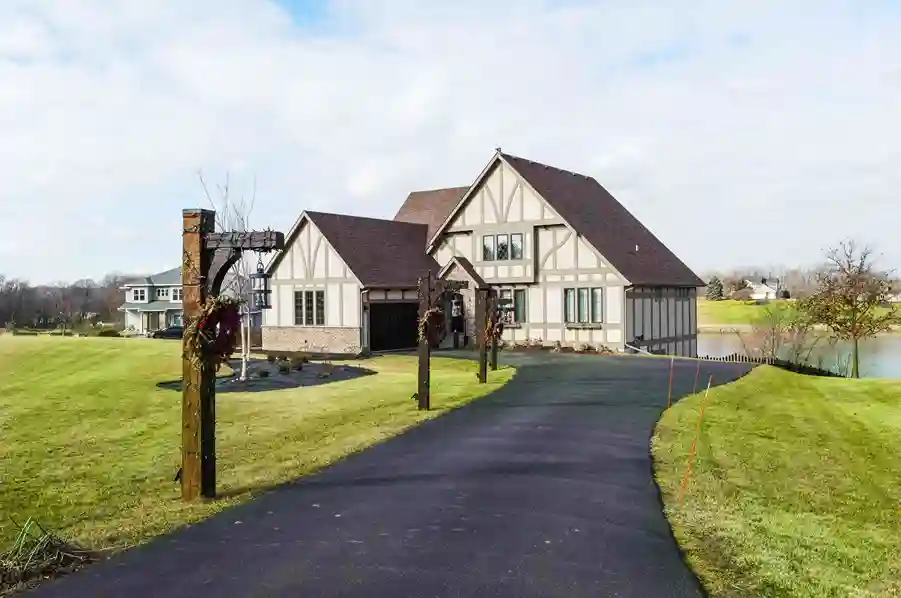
(481, 317)
(198, 476)
(492, 317)
(425, 303)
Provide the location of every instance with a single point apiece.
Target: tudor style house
(153, 302)
(577, 267)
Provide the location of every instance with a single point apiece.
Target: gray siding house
(576, 265)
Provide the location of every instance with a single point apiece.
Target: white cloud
(739, 132)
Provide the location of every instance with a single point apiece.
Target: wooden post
(492, 317)
(481, 317)
(198, 475)
(422, 391)
(669, 393)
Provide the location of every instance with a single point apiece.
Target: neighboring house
(153, 302)
(577, 267)
(765, 289)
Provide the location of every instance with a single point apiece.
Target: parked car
(170, 332)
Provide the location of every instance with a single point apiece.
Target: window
(516, 246)
(584, 314)
(518, 298)
(320, 308)
(138, 295)
(583, 305)
(298, 308)
(309, 308)
(177, 294)
(597, 305)
(488, 248)
(519, 305)
(162, 293)
(569, 305)
(503, 247)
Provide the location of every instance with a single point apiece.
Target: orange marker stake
(694, 443)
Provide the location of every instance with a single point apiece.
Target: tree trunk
(855, 359)
(245, 344)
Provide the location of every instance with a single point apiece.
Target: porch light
(259, 288)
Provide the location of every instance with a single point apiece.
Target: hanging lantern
(260, 289)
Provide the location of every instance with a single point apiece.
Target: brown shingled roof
(381, 253)
(606, 224)
(430, 207)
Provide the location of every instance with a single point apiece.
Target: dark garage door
(393, 326)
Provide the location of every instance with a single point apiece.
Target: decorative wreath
(494, 331)
(431, 326)
(214, 334)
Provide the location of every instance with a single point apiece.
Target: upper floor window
(138, 295)
(162, 293)
(177, 294)
(502, 247)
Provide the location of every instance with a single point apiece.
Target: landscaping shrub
(24, 333)
(264, 373)
(108, 332)
(270, 358)
(297, 363)
(284, 367)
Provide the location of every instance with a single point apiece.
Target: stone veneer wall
(312, 339)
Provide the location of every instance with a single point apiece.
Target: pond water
(880, 357)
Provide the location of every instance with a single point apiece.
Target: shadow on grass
(312, 374)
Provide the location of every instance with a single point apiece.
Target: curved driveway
(542, 489)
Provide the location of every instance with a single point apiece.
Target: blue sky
(741, 133)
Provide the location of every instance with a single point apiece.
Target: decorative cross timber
(207, 257)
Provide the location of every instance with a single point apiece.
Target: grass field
(89, 445)
(730, 312)
(796, 488)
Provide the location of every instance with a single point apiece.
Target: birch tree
(233, 214)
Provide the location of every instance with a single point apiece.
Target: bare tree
(848, 298)
(781, 332)
(234, 215)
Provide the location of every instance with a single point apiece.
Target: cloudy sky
(745, 132)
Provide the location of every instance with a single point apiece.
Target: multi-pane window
(177, 294)
(488, 254)
(320, 308)
(583, 305)
(519, 305)
(138, 295)
(597, 305)
(502, 247)
(516, 246)
(162, 293)
(309, 308)
(518, 298)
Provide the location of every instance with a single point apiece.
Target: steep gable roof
(430, 207)
(596, 215)
(380, 253)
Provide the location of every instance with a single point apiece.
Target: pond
(880, 357)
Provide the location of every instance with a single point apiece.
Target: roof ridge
(354, 216)
(548, 166)
(439, 189)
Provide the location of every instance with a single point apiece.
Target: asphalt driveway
(542, 489)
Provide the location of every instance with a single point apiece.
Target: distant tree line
(61, 305)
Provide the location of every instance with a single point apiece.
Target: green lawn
(89, 445)
(731, 312)
(796, 490)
